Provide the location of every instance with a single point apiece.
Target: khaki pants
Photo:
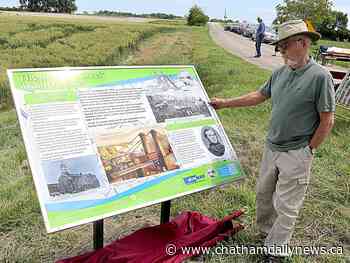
(281, 188)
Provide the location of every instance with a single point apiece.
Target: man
(214, 146)
(303, 106)
(259, 37)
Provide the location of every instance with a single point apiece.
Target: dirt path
(245, 48)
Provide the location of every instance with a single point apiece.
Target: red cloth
(148, 245)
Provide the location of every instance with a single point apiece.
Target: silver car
(269, 36)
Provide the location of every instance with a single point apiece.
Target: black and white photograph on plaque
(213, 141)
(169, 107)
(73, 176)
(172, 83)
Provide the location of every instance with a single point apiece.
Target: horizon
(252, 8)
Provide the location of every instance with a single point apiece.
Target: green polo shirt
(298, 96)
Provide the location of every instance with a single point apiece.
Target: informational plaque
(106, 140)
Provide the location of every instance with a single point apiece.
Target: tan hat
(293, 28)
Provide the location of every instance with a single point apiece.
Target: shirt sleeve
(266, 88)
(326, 96)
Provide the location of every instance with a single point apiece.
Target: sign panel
(105, 140)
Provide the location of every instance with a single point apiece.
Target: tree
(54, 6)
(330, 23)
(313, 10)
(196, 17)
(341, 19)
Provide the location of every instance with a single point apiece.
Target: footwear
(257, 56)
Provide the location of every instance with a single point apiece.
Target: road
(245, 48)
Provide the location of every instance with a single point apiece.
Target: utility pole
(225, 17)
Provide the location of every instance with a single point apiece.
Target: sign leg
(165, 212)
(98, 234)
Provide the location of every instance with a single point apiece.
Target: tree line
(332, 24)
(48, 6)
(128, 14)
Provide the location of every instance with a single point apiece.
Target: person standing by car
(259, 37)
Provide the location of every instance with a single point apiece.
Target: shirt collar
(300, 71)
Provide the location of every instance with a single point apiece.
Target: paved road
(244, 47)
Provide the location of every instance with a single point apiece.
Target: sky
(242, 10)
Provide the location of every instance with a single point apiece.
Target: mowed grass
(324, 220)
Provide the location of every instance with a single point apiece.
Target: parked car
(228, 27)
(235, 27)
(269, 36)
(250, 30)
(242, 28)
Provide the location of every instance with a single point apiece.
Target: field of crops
(42, 42)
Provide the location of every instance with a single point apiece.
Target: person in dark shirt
(259, 37)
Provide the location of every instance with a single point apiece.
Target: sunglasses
(284, 45)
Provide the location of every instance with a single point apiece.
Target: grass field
(42, 42)
(324, 220)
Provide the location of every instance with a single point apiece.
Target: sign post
(98, 234)
(165, 212)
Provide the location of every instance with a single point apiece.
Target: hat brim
(313, 35)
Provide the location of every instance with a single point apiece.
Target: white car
(269, 37)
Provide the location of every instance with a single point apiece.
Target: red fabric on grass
(148, 245)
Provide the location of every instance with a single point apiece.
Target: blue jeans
(259, 40)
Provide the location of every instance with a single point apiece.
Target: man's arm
(325, 127)
(261, 29)
(250, 99)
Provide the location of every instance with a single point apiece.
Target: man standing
(259, 37)
(303, 105)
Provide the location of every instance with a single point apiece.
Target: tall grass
(32, 42)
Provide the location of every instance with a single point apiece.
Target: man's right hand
(217, 103)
